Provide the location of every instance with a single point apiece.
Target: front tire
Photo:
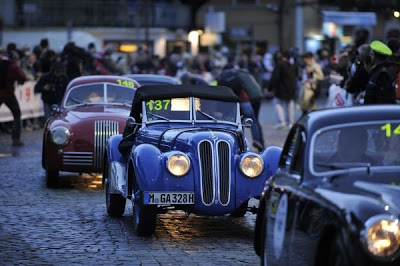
(144, 219)
(115, 203)
(51, 177)
(264, 238)
(337, 254)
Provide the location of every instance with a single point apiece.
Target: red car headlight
(60, 135)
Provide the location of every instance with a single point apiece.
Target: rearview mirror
(131, 122)
(248, 123)
(55, 109)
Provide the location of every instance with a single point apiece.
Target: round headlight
(178, 164)
(60, 135)
(382, 237)
(252, 165)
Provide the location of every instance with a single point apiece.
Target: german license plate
(166, 198)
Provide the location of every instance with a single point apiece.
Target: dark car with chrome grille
(183, 148)
(335, 199)
(93, 109)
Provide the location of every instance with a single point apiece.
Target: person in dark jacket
(230, 77)
(52, 85)
(381, 84)
(283, 83)
(362, 64)
(11, 72)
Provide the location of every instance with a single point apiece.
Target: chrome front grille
(206, 172)
(103, 129)
(78, 158)
(215, 171)
(224, 171)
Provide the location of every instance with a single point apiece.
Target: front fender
(146, 161)
(151, 173)
(117, 165)
(112, 151)
(247, 187)
(271, 157)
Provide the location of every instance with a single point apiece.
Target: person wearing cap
(52, 86)
(380, 88)
(312, 73)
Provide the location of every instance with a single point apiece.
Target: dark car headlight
(382, 237)
(60, 135)
(251, 165)
(178, 164)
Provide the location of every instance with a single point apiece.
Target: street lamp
(396, 14)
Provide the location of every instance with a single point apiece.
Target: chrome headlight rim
(61, 129)
(178, 154)
(364, 237)
(254, 155)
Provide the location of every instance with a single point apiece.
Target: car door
(304, 214)
(282, 209)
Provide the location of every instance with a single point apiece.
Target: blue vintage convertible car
(183, 147)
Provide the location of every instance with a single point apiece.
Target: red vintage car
(93, 109)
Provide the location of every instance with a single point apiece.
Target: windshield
(168, 109)
(353, 146)
(178, 109)
(211, 110)
(99, 94)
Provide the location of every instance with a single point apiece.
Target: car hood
(364, 198)
(184, 139)
(97, 111)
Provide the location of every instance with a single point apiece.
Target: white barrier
(31, 104)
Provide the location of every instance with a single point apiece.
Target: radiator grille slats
(215, 171)
(78, 158)
(224, 171)
(207, 177)
(103, 129)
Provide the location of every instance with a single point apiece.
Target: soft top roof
(159, 92)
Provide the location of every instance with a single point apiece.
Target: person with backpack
(10, 72)
(230, 77)
(381, 84)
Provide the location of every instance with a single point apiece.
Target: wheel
(51, 177)
(115, 203)
(264, 237)
(144, 219)
(337, 254)
(241, 211)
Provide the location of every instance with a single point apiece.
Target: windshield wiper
(347, 165)
(121, 103)
(207, 115)
(76, 100)
(344, 166)
(158, 116)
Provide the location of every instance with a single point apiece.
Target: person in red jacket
(10, 72)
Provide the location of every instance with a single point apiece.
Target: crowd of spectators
(293, 79)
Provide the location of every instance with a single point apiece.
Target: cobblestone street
(69, 225)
